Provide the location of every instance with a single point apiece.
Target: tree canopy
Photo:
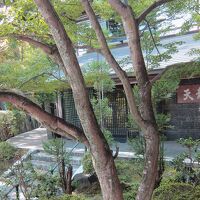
(59, 29)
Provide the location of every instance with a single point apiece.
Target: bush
(47, 185)
(87, 163)
(131, 192)
(7, 128)
(129, 171)
(7, 151)
(177, 191)
(10, 123)
(66, 197)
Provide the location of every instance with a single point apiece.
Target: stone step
(45, 157)
(74, 161)
(48, 166)
(42, 156)
(42, 165)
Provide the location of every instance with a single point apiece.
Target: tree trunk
(102, 157)
(150, 171)
(149, 129)
(69, 180)
(61, 167)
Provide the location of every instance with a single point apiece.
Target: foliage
(137, 144)
(7, 151)
(24, 175)
(101, 108)
(47, 185)
(7, 128)
(130, 173)
(65, 197)
(131, 192)
(45, 97)
(19, 120)
(177, 191)
(189, 143)
(87, 163)
(97, 73)
(184, 163)
(109, 137)
(33, 183)
(32, 71)
(57, 147)
(11, 123)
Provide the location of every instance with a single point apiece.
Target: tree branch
(45, 47)
(38, 75)
(30, 79)
(50, 50)
(119, 6)
(52, 122)
(152, 37)
(112, 62)
(156, 4)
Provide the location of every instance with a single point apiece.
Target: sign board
(188, 93)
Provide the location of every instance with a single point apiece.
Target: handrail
(16, 186)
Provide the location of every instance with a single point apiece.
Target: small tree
(57, 148)
(98, 73)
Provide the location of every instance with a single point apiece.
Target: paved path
(34, 139)
(30, 140)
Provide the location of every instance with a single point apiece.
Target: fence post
(17, 192)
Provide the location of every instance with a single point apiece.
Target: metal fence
(117, 123)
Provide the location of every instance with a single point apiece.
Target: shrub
(177, 191)
(7, 128)
(47, 185)
(87, 163)
(131, 192)
(187, 172)
(66, 197)
(129, 170)
(11, 123)
(7, 151)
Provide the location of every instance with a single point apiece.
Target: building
(184, 106)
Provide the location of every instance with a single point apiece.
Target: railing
(67, 154)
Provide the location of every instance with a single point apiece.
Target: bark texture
(103, 160)
(69, 180)
(150, 129)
